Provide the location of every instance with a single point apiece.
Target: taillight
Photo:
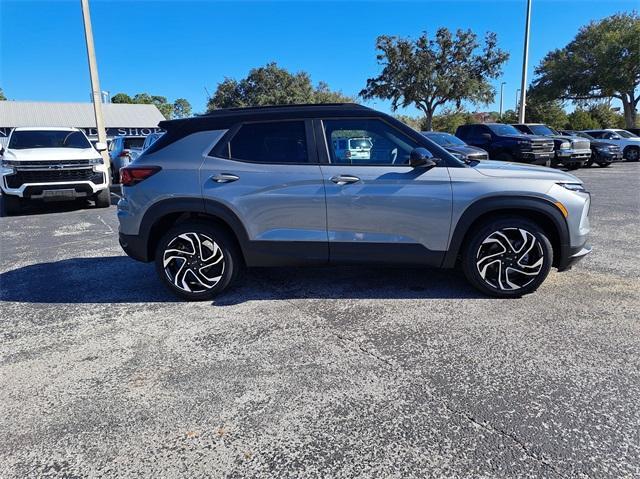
(132, 175)
(124, 153)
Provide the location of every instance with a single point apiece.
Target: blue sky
(177, 48)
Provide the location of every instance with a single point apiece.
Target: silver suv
(266, 187)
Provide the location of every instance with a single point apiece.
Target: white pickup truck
(51, 164)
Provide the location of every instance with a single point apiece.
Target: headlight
(457, 155)
(8, 163)
(96, 161)
(565, 145)
(603, 148)
(523, 142)
(579, 187)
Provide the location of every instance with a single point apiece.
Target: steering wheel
(393, 155)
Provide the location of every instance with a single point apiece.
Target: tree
(549, 112)
(181, 108)
(602, 61)
(167, 109)
(509, 116)
(429, 73)
(2, 97)
(272, 85)
(121, 98)
(581, 119)
(412, 121)
(606, 116)
(450, 120)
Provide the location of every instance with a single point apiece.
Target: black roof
(225, 117)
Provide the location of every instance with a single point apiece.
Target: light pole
(525, 59)
(517, 100)
(501, 92)
(96, 93)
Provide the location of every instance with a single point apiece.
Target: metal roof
(80, 115)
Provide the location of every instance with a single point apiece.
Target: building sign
(92, 132)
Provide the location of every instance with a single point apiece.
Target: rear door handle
(344, 179)
(224, 178)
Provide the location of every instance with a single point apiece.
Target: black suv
(505, 143)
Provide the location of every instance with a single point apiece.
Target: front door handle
(224, 178)
(344, 179)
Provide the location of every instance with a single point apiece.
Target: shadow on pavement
(118, 279)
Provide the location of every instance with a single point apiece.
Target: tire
(632, 153)
(201, 243)
(9, 205)
(604, 164)
(103, 198)
(487, 267)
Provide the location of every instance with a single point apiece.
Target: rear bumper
(134, 246)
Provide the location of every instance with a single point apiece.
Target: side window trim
(222, 149)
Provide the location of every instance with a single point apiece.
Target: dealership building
(120, 118)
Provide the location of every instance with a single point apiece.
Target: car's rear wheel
(507, 257)
(9, 205)
(197, 261)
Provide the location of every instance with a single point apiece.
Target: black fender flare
(507, 203)
(190, 206)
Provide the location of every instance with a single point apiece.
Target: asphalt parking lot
(325, 372)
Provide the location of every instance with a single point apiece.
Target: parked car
(51, 164)
(352, 150)
(150, 139)
(628, 142)
(456, 146)
(266, 187)
(506, 143)
(122, 151)
(570, 151)
(603, 152)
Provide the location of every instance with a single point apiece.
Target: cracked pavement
(319, 372)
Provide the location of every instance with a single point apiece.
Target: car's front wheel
(507, 257)
(632, 153)
(197, 261)
(9, 204)
(103, 198)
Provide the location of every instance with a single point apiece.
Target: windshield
(584, 135)
(130, 143)
(356, 143)
(625, 134)
(543, 130)
(445, 139)
(25, 139)
(499, 129)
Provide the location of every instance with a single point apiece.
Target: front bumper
(608, 156)
(572, 255)
(573, 156)
(31, 184)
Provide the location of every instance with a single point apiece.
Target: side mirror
(420, 157)
(101, 146)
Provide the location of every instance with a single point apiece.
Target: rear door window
(270, 142)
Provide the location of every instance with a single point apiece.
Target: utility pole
(501, 94)
(96, 93)
(525, 60)
(517, 100)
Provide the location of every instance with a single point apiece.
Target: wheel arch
(539, 210)
(167, 213)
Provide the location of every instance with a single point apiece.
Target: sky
(179, 48)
